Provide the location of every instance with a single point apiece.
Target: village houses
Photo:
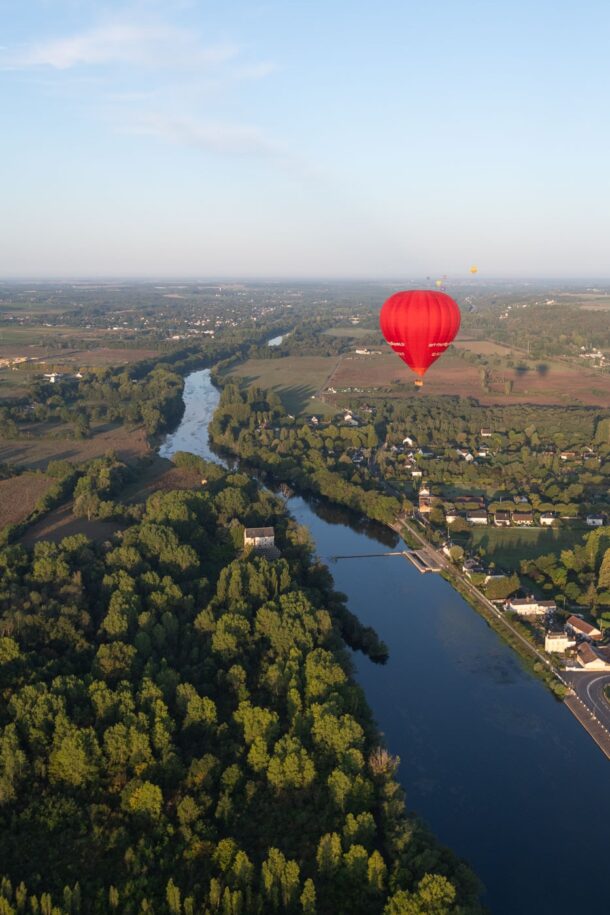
(582, 629)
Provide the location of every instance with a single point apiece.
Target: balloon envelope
(474, 269)
(419, 325)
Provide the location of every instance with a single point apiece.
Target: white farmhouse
(529, 606)
(259, 538)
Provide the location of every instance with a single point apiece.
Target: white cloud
(256, 71)
(174, 76)
(237, 139)
(122, 43)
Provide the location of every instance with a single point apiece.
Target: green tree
(603, 579)
(143, 798)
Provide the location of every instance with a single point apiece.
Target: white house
(557, 642)
(529, 606)
(547, 519)
(595, 521)
(259, 538)
(477, 516)
(451, 515)
(52, 377)
(502, 518)
(486, 433)
(407, 440)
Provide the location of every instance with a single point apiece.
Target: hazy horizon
(175, 279)
(317, 141)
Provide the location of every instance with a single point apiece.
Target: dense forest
(181, 732)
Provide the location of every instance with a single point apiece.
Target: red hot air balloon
(419, 325)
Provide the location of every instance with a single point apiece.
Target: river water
(499, 769)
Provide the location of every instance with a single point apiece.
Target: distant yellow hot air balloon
(474, 269)
(438, 283)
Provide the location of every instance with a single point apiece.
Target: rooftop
(258, 532)
(576, 623)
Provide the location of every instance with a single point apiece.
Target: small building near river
(260, 539)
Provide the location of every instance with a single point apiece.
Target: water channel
(499, 769)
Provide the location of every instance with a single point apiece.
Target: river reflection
(501, 770)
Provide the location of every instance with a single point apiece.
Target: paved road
(589, 687)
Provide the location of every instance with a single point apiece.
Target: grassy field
(485, 348)
(18, 496)
(586, 300)
(33, 334)
(35, 453)
(507, 546)
(296, 379)
(61, 523)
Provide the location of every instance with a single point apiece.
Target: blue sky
(304, 139)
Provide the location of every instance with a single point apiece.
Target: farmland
(548, 383)
(298, 378)
(485, 347)
(36, 452)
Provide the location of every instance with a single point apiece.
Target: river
(499, 769)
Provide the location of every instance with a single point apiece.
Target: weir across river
(421, 559)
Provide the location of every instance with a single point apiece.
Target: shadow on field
(296, 397)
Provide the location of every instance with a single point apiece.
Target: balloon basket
(419, 383)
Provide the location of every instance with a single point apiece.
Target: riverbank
(538, 663)
(483, 748)
(378, 505)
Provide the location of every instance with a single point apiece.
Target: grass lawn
(507, 546)
(32, 334)
(296, 379)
